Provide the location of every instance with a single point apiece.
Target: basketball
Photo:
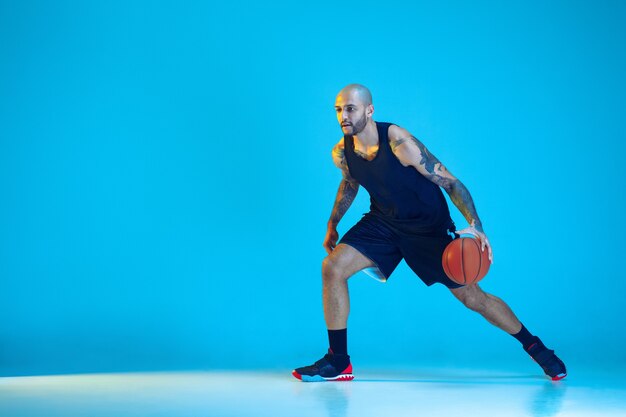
(464, 262)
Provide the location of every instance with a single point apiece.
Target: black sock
(525, 338)
(338, 340)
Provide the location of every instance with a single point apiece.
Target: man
(408, 219)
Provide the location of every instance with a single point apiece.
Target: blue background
(165, 178)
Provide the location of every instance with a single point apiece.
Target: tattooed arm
(411, 152)
(346, 193)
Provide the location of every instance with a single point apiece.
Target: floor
(432, 392)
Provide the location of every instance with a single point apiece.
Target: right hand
(330, 241)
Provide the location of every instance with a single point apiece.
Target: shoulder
(339, 145)
(397, 136)
(406, 147)
(338, 149)
(397, 133)
(338, 153)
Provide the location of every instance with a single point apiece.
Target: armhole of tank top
(384, 128)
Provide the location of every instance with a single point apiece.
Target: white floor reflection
(442, 392)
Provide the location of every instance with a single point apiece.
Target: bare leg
(341, 264)
(489, 306)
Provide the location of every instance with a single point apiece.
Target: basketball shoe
(325, 369)
(549, 362)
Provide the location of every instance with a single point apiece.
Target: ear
(369, 110)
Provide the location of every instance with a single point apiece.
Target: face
(352, 114)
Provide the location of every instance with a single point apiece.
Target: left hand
(472, 230)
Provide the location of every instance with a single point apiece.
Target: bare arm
(411, 152)
(348, 189)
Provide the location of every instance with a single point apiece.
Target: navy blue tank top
(399, 195)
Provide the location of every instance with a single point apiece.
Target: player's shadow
(548, 400)
(334, 397)
(545, 401)
(456, 379)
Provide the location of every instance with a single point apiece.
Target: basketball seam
(463, 263)
(480, 262)
(447, 269)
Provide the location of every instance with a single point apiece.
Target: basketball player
(408, 219)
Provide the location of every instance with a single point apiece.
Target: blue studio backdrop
(165, 178)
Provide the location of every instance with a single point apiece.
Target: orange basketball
(464, 262)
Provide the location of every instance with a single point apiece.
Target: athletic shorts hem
(358, 248)
(386, 245)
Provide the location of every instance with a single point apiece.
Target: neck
(369, 135)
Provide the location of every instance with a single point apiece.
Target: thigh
(423, 255)
(348, 260)
(376, 242)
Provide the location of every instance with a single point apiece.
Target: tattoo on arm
(461, 198)
(459, 194)
(429, 162)
(345, 196)
(347, 191)
(339, 153)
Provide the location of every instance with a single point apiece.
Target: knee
(331, 270)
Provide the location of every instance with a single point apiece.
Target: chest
(366, 152)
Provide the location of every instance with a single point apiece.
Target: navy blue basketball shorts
(386, 246)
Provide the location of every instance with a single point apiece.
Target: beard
(359, 125)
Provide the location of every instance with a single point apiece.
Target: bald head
(358, 92)
(354, 108)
